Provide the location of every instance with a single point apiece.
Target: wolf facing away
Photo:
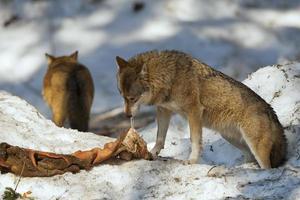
(69, 91)
(175, 82)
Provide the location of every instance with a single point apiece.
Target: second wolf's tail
(279, 148)
(81, 93)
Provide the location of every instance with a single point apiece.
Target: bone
(132, 122)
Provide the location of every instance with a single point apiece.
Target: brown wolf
(176, 82)
(69, 91)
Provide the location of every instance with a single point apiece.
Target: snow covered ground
(236, 36)
(220, 174)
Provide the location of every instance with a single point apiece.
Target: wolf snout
(127, 112)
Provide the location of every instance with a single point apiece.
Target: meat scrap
(32, 163)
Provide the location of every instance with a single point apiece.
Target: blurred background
(235, 36)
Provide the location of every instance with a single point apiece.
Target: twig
(207, 174)
(108, 114)
(20, 176)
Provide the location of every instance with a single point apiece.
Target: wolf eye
(133, 99)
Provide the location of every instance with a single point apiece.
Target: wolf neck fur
(154, 75)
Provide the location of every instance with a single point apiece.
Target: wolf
(68, 89)
(175, 82)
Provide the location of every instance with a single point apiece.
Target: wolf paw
(154, 155)
(155, 151)
(190, 162)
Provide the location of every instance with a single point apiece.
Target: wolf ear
(122, 63)
(144, 70)
(74, 55)
(49, 58)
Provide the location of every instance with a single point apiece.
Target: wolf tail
(279, 148)
(80, 100)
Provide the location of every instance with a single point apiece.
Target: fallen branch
(32, 163)
(113, 122)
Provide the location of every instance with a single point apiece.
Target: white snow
(220, 173)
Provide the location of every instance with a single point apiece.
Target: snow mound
(279, 86)
(221, 174)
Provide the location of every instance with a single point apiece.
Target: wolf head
(71, 58)
(131, 85)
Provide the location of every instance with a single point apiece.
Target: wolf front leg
(195, 124)
(163, 121)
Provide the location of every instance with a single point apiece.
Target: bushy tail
(80, 100)
(279, 148)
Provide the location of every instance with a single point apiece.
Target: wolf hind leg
(59, 117)
(59, 109)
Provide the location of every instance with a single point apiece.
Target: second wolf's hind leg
(258, 137)
(59, 109)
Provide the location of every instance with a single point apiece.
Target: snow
(221, 172)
